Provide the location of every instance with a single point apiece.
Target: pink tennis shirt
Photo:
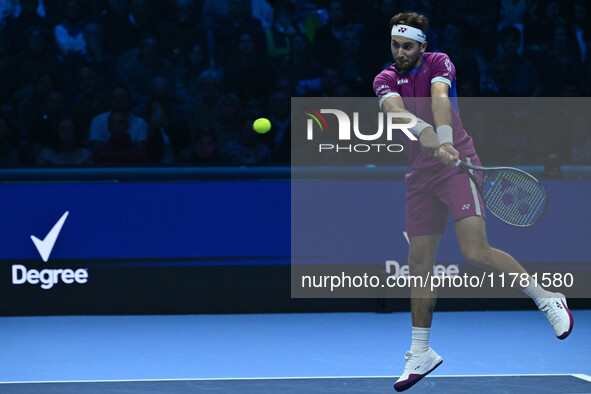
(415, 89)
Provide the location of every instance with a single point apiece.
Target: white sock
(420, 340)
(537, 292)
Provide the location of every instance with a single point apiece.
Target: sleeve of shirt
(98, 129)
(384, 87)
(443, 70)
(141, 133)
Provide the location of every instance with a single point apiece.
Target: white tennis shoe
(558, 314)
(417, 367)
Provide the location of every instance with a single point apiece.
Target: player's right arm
(427, 136)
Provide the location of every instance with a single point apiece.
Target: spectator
(479, 21)
(331, 78)
(67, 148)
(540, 22)
(45, 124)
(279, 137)
(9, 144)
(35, 59)
(124, 33)
(467, 63)
(263, 11)
(525, 78)
(302, 65)
(120, 148)
(377, 33)
(512, 12)
(161, 89)
(214, 9)
(204, 110)
(252, 62)
(204, 151)
(328, 38)
(95, 55)
(140, 70)
(561, 60)
(230, 28)
(580, 25)
(165, 136)
(16, 29)
(137, 128)
(184, 30)
(279, 34)
(228, 121)
(89, 100)
(246, 149)
(68, 34)
(355, 68)
(192, 64)
(30, 100)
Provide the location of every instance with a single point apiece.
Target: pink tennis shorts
(431, 195)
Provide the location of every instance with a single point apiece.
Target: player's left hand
(429, 142)
(448, 154)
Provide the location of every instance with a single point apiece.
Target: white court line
(580, 376)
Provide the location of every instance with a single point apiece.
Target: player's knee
(419, 266)
(477, 255)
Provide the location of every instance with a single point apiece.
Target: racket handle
(457, 162)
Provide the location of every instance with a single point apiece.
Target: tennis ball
(261, 125)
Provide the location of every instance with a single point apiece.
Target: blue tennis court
(493, 352)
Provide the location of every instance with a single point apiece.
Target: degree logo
(48, 277)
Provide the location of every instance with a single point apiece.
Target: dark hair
(411, 19)
(510, 31)
(207, 131)
(120, 85)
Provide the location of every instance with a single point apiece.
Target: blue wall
(152, 247)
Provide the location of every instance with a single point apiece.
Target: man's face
(205, 146)
(66, 131)
(120, 100)
(118, 124)
(510, 44)
(407, 53)
(351, 42)
(246, 44)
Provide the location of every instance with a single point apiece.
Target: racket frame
(467, 167)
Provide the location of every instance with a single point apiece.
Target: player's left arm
(441, 107)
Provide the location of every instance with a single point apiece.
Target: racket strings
(514, 196)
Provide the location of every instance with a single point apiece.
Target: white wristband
(445, 134)
(420, 126)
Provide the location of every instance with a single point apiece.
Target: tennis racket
(512, 195)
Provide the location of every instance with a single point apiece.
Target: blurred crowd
(179, 82)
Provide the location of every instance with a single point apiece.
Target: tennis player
(436, 188)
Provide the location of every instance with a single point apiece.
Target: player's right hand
(447, 154)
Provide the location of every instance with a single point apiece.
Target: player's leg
(420, 359)
(474, 245)
(421, 258)
(471, 234)
(425, 222)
